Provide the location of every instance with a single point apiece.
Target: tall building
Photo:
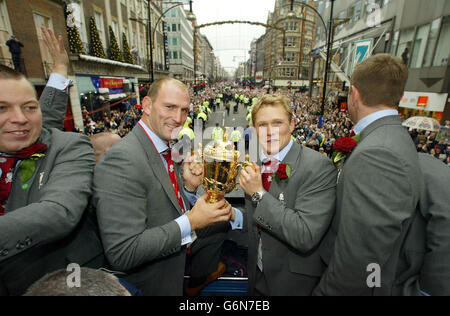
(416, 31)
(180, 43)
(287, 63)
(206, 61)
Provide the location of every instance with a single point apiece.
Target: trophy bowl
(220, 168)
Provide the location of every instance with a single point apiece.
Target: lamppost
(328, 33)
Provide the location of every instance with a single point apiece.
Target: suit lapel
(155, 162)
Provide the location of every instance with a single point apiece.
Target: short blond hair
(273, 100)
(157, 85)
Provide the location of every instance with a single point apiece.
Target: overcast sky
(231, 42)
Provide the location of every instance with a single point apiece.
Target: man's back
(377, 194)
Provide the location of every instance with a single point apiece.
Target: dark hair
(9, 73)
(93, 283)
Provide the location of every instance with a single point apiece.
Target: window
(100, 27)
(432, 38)
(175, 55)
(174, 41)
(5, 29)
(419, 46)
(442, 50)
(290, 57)
(174, 27)
(354, 11)
(39, 21)
(291, 41)
(405, 44)
(394, 43)
(290, 26)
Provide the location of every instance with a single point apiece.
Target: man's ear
(356, 97)
(147, 105)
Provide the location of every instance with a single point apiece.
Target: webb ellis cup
(220, 168)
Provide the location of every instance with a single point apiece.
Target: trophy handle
(246, 163)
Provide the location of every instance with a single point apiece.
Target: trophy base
(214, 197)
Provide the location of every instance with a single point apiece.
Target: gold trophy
(220, 168)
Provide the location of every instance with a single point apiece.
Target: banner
(111, 83)
(361, 51)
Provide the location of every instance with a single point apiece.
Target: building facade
(287, 64)
(180, 43)
(416, 31)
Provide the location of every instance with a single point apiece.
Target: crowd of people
(336, 123)
(372, 222)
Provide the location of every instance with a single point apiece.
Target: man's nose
(17, 116)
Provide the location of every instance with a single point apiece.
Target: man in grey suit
(377, 193)
(434, 208)
(142, 204)
(287, 218)
(43, 198)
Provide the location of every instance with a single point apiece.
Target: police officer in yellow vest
(186, 130)
(217, 133)
(235, 137)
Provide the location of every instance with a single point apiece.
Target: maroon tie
(7, 165)
(269, 170)
(173, 177)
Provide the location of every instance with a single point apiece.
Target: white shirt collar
(160, 145)
(369, 119)
(280, 155)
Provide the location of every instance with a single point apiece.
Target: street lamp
(327, 62)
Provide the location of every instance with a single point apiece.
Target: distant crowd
(307, 112)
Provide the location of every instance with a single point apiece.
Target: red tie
(7, 164)
(173, 177)
(352, 133)
(269, 170)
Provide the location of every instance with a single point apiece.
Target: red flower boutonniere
(283, 172)
(342, 148)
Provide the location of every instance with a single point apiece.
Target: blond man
(290, 201)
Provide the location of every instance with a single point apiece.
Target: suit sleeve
(434, 204)
(375, 204)
(303, 226)
(120, 197)
(53, 106)
(62, 201)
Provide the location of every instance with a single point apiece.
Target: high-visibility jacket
(254, 100)
(202, 115)
(249, 116)
(188, 120)
(217, 133)
(186, 130)
(235, 136)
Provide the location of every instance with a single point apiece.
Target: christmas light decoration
(96, 43)
(126, 50)
(115, 53)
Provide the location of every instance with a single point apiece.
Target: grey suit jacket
(136, 208)
(434, 227)
(53, 106)
(377, 195)
(46, 208)
(292, 231)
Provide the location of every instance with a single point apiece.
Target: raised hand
(56, 49)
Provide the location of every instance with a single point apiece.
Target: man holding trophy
(289, 205)
(142, 199)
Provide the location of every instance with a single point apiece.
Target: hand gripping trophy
(220, 168)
